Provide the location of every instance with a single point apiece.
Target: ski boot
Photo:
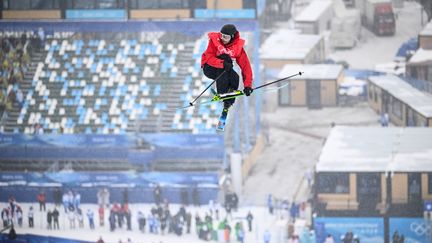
(222, 119)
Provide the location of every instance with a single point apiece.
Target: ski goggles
(225, 37)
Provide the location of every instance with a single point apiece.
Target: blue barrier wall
(29, 238)
(83, 147)
(414, 230)
(26, 186)
(368, 230)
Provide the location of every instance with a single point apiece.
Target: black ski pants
(228, 82)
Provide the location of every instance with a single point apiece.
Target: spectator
(5, 217)
(270, 203)
(42, 200)
(20, 98)
(101, 212)
(188, 222)
(49, 219)
(128, 219)
(30, 216)
(38, 129)
(71, 217)
(267, 236)
(55, 215)
(157, 194)
(104, 197)
(141, 221)
(249, 219)
(384, 119)
(19, 215)
(329, 239)
(80, 218)
(90, 216)
(65, 201)
(77, 200)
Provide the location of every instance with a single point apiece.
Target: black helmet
(229, 29)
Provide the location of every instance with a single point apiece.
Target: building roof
(417, 100)
(427, 30)
(312, 71)
(377, 149)
(314, 11)
(421, 55)
(288, 45)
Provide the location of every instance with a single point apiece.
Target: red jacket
(234, 49)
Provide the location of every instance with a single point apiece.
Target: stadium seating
(109, 83)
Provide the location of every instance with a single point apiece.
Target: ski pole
(220, 75)
(282, 79)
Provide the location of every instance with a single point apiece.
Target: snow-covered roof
(421, 55)
(377, 149)
(288, 44)
(314, 11)
(312, 71)
(427, 30)
(417, 100)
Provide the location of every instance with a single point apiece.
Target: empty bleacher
(114, 83)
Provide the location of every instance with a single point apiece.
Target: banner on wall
(119, 179)
(414, 230)
(367, 230)
(136, 148)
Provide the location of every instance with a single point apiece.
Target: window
(333, 183)
(96, 4)
(174, 4)
(81, 4)
(45, 4)
(18, 4)
(148, 4)
(162, 4)
(30, 4)
(397, 108)
(110, 4)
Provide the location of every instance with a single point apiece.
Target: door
(368, 191)
(414, 187)
(313, 94)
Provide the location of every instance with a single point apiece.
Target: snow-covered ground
(262, 221)
(372, 49)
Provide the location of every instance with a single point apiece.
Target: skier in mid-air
(217, 63)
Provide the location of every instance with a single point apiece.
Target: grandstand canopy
(401, 90)
(288, 44)
(312, 71)
(377, 149)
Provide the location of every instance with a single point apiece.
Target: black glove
(227, 65)
(247, 91)
(227, 62)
